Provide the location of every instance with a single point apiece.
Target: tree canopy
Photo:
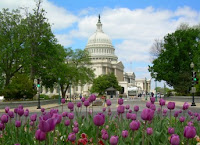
(29, 47)
(101, 83)
(172, 65)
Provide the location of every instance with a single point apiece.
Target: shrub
(43, 96)
(55, 96)
(21, 86)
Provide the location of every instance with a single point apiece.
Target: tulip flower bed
(155, 126)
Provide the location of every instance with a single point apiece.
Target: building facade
(104, 61)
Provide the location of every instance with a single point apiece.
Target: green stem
(143, 133)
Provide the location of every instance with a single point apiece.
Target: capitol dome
(99, 45)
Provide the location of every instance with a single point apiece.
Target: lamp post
(156, 84)
(59, 97)
(192, 67)
(145, 88)
(38, 86)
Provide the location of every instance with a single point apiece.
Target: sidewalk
(177, 103)
(34, 108)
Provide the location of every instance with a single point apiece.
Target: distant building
(104, 61)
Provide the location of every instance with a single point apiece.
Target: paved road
(141, 102)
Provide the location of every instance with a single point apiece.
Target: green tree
(73, 70)
(42, 50)
(20, 87)
(173, 63)
(101, 83)
(12, 38)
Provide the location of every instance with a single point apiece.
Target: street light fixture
(38, 87)
(156, 84)
(70, 90)
(193, 89)
(146, 88)
(59, 97)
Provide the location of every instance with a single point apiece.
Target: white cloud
(64, 39)
(137, 29)
(59, 17)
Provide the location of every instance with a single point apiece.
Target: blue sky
(133, 25)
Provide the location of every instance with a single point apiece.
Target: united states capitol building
(104, 61)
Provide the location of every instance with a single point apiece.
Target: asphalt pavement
(140, 101)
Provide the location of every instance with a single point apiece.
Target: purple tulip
(196, 114)
(171, 130)
(11, 114)
(190, 123)
(125, 134)
(72, 137)
(190, 112)
(39, 135)
(153, 107)
(79, 104)
(98, 120)
(18, 123)
(120, 109)
(114, 140)
(120, 101)
(149, 131)
(16, 110)
(52, 111)
(133, 116)
(47, 125)
(75, 129)
(171, 105)
(42, 109)
(71, 116)
(189, 132)
(104, 136)
(130, 111)
(7, 109)
(63, 100)
(136, 108)
(83, 99)
(128, 115)
(180, 111)
(147, 114)
(185, 106)
(175, 140)
(92, 97)
(67, 122)
(75, 124)
(86, 103)
(4, 118)
(33, 117)
(26, 113)
(20, 107)
(64, 114)
(148, 104)
(134, 125)
(164, 112)
(2, 126)
(31, 123)
(182, 119)
(20, 111)
(162, 102)
(104, 109)
(127, 107)
(152, 99)
(176, 113)
(70, 105)
(58, 118)
(108, 102)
